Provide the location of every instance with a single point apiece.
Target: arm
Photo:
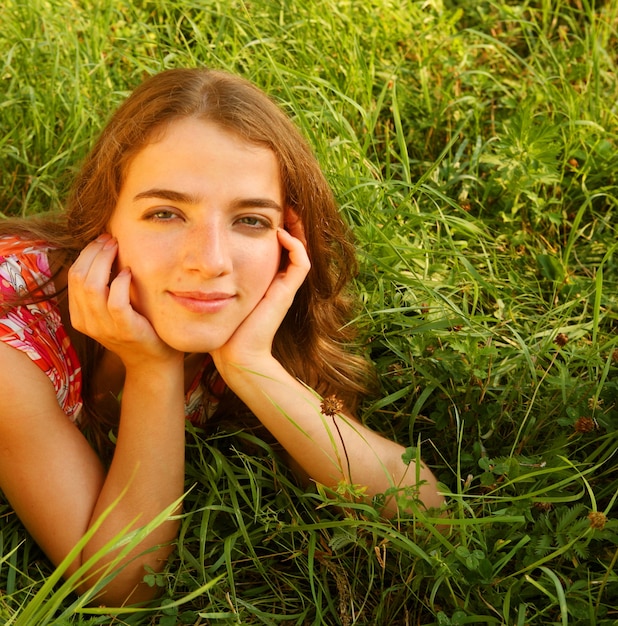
(57, 486)
(329, 448)
(49, 473)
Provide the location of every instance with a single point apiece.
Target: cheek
(260, 269)
(138, 254)
(277, 261)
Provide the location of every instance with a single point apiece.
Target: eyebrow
(187, 198)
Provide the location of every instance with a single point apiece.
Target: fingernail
(110, 243)
(103, 237)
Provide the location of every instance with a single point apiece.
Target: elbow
(117, 584)
(121, 591)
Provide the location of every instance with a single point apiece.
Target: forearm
(330, 448)
(146, 476)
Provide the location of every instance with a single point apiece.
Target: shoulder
(30, 416)
(27, 392)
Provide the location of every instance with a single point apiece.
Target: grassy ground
(472, 146)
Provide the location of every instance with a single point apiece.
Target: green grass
(473, 148)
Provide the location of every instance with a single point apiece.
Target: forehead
(199, 157)
(187, 130)
(193, 123)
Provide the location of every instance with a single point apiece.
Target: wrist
(158, 375)
(242, 369)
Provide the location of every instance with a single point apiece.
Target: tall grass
(472, 147)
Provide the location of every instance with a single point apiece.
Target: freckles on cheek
(131, 252)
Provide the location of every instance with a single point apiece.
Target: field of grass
(472, 146)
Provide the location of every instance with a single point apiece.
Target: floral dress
(36, 328)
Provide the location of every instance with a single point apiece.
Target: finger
(297, 251)
(294, 225)
(286, 283)
(124, 317)
(89, 252)
(118, 300)
(93, 265)
(88, 278)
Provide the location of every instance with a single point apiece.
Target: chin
(193, 345)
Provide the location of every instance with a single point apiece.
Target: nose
(207, 250)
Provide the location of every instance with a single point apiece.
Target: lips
(202, 302)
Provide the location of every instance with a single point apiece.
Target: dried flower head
(597, 520)
(561, 340)
(584, 425)
(331, 405)
(543, 506)
(573, 163)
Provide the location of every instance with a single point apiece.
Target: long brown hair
(313, 342)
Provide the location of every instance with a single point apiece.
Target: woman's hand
(253, 339)
(103, 311)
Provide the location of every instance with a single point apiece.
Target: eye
(161, 215)
(255, 221)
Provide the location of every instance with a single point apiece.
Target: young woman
(199, 268)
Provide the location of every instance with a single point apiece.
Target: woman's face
(196, 222)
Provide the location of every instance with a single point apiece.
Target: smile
(201, 302)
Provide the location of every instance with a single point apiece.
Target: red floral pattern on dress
(36, 328)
